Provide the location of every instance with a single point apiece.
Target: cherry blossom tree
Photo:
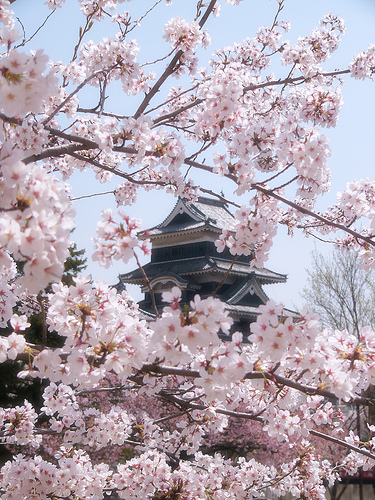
(232, 118)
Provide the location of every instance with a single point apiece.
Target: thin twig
(140, 19)
(24, 41)
(219, 197)
(225, 276)
(80, 86)
(172, 99)
(91, 195)
(149, 286)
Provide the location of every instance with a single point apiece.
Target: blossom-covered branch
(179, 386)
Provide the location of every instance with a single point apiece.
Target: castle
(184, 255)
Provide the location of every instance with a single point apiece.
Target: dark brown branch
(170, 68)
(305, 211)
(254, 375)
(340, 442)
(271, 83)
(248, 416)
(115, 171)
(87, 144)
(10, 119)
(280, 172)
(205, 16)
(295, 206)
(155, 89)
(71, 137)
(166, 117)
(172, 99)
(283, 381)
(66, 149)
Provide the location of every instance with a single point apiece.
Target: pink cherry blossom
(169, 387)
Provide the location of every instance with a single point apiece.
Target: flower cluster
(185, 36)
(8, 289)
(273, 132)
(29, 136)
(111, 59)
(335, 360)
(56, 100)
(263, 133)
(208, 477)
(89, 427)
(17, 425)
(96, 9)
(53, 4)
(363, 64)
(160, 151)
(252, 232)
(126, 193)
(356, 204)
(310, 51)
(6, 15)
(23, 85)
(35, 223)
(102, 334)
(117, 240)
(191, 336)
(281, 345)
(35, 477)
(14, 344)
(354, 461)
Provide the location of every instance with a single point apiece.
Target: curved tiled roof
(198, 265)
(203, 213)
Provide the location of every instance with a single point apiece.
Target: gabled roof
(248, 286)
(186, 216)
(178, 280)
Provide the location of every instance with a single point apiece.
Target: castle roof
(202, 265)
(205, 213)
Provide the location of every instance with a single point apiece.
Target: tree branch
(170, 68)
(306, 211)
(340, 442)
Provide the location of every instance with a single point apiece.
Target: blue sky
(351, 142)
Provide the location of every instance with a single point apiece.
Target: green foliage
(74, 265)
(14, 390)
(126, 454)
